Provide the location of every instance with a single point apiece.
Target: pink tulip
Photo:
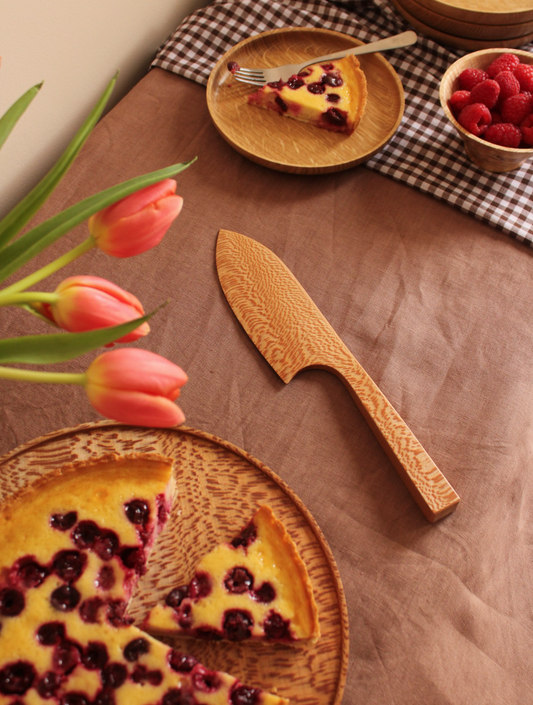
(86, 303)
(138, 222)
(137, 387)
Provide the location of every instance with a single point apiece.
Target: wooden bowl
(490, 157)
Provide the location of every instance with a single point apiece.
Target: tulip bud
(138, 222)
(85, 303)
(136, 387)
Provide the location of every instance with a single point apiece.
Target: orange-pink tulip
(85, 303)
(136, 387)
(138, 222)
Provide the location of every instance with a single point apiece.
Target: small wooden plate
(495, 12)
(455, 41)
(219, 488)
(288, 145)
(469, 30)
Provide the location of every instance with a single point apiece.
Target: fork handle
(404, 39)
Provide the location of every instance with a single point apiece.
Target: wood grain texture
(487, 156)
(219, 487)
(452, 40)
(496, 12)
(468, 30)
(293, 335)
(285, 144)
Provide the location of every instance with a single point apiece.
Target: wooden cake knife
(292, 334)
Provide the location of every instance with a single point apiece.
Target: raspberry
(526, 126)
(504, 134)
(505, 62)
(475, 118)
(458, 101)
(509, 84)
(470, 78)
(496, 117)
(517, 108)
(486, 92)
(524, 74)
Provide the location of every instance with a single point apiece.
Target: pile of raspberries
(497, 104)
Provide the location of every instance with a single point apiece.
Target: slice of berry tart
(73, 547)
(332, 95)
(255, 586)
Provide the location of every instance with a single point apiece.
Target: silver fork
(258, 77)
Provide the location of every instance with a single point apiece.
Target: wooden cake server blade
(292, 334)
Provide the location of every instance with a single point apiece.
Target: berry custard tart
(255, 586)
(73, 547)
(331, 96)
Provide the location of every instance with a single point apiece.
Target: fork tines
(253, 76)
(251, 81)
(250, 72)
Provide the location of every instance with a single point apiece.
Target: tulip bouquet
(126, 384)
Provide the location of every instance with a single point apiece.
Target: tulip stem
(47, 377)
(50, 268)
(28, 297)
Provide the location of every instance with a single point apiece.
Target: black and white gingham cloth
(425, 152)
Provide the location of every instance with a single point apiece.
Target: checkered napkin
(425, 152)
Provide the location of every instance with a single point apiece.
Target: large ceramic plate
(219, 487)
(289, 145)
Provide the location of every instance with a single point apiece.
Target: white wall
(75, 46)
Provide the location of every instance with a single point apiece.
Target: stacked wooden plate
(471, 24)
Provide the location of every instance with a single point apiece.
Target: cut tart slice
(255, 586)
(73, 547)
(331, 95)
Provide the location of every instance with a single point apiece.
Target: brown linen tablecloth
(435, 305)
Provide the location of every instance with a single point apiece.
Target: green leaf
(21, 214)
(58, 347)
(34, 241)
(10, 118)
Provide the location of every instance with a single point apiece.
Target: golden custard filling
(253, 587)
